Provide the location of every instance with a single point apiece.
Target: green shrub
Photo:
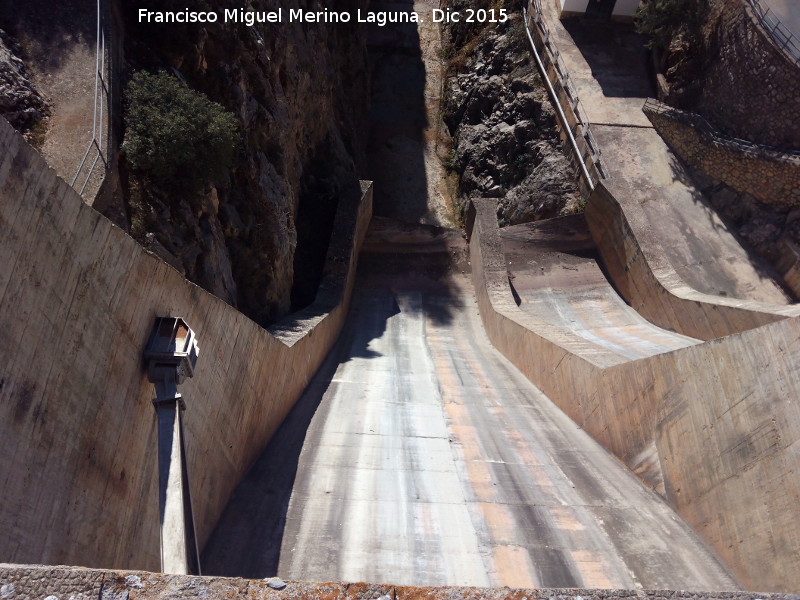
(661, 20)
(177, 137)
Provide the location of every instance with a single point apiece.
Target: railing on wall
(782, 37)
(701, 124)
(101, 95)
(585, 148)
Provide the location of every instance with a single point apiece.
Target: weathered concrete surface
(697, 243)
(77, 443)
(18, 582)
(717, 421)
(555, 276)
(637, 262)
(607, 67)
(430, 460)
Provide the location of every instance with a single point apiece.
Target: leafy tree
(662, 20)
(175, 136)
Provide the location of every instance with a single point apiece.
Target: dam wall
(716, 424)
(78, 448)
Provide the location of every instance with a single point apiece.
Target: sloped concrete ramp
(555, 273)
(430, 460)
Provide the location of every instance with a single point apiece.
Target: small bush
(177, 137)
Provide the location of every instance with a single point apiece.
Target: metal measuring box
(172, 345)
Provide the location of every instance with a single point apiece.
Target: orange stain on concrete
(480, 480)
(467, 438)
(565, 518)
(499, 520)
(512, 567)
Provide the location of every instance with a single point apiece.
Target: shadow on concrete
(616, 55)
(395, 150)
(247, 539)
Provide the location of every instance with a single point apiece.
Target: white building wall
(573, 7)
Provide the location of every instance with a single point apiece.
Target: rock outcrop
(20, 102)
(505, 141)
(300, 94)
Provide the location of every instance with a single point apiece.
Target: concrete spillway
(557, 281)
(430, 460)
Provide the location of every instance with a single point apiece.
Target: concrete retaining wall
(718, 423)
(77, 437)
(771, 176)
(642, 274)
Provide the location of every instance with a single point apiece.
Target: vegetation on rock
(177, 137)
(663, 20)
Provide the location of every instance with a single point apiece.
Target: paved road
(419, 455)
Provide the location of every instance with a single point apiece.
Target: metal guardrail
(101, 94)
(782, 37)
(702, 124)
(581, 130)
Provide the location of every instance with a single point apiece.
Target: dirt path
(58, 41)
(406, 75)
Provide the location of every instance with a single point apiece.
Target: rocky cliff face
(300, 94)
(20, 102)
(505, 141)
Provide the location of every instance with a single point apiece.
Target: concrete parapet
(716, 423)
(19, 582)
(642, 274)
(77, 429)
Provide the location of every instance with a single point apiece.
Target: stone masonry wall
(78, 449)
(18, 582)
(771, 176)
(750, 87)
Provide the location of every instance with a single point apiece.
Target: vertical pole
(96, 72)
(179, 555)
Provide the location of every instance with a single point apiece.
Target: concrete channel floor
(419, 455)
(558, 281)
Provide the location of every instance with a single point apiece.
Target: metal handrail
(100, 98)
(703, 124)
(582, 125)
(782, 37)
